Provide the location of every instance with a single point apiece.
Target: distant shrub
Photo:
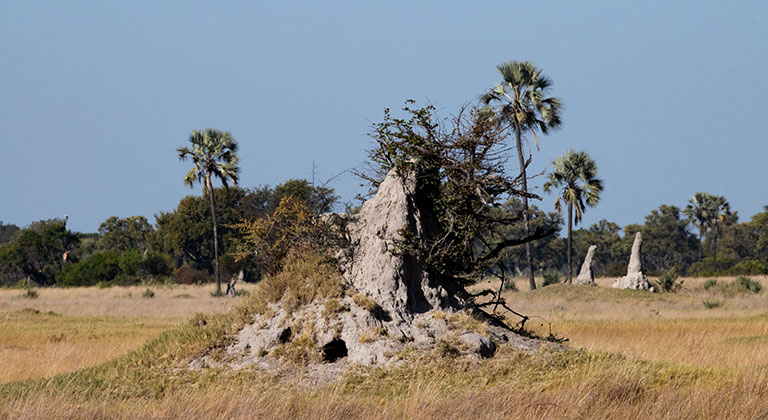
(189, 275)
(101, 266)
(749, 266)
(130, 262)
(740, 285)
(711, 304)
(669, 281)
(509, 285)
(748, 284)
(156, 264)
(149, 293)
(30, 294)
(551, 277)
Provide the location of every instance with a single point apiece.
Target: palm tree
(697, 211)
(576, 176)
(214, 154)
(520, 102)
(706, 211)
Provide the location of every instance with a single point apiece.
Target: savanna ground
(692, 354)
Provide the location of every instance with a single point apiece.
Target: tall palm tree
(707, 211)
(697, 212)
(519, 101)
(575, 175)
(214, 154)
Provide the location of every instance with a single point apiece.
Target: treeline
(670, 242)
(177, 248)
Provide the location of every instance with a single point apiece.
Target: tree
(121, 234)
(214, 154)
(458, 166)
(575, 175)
(605, 235)
(522, 105)
(7, 232)
(667, 243)
(708, 212)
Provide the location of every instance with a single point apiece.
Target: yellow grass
(67, 329)
(647, 356)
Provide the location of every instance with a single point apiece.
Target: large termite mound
(389, 303)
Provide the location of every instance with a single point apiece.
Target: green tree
(458, 168)
(575, 174)
(708, 213)
(759, 224)
(519, 101)
(214, 154)
(604, 235)
(7, 232)
(317, 199)
(667, 243)
(121, 234)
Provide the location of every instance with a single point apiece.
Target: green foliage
(669, 280)
(509, 285)
(8, 232)
(123, 234)
(266, 242)
(739, 286)
(100, 267)
(749, 285)
(148, 294)
(36, 252)
(749, 266)
(459, 170)
(712, 304)
(551, 277)
(547, 252)
(318, 200)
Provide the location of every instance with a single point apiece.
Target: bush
(149, 293)
(509, 285)
(130, 262)
(102, 266)
(711, 304)
(156, 264)
(740, 285)
(748, 284)
(189, 275)
(30, 294)
(749, 266)
(668, 281)
(551, 277)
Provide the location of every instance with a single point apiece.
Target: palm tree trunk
(215, 235)
(700, 233)
(716, 226)
(570, 230)
(528, 252)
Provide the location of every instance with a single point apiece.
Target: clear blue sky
(669, 98)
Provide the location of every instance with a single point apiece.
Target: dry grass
(68, 329)
(648, 356)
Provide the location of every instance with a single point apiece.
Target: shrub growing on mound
(304, 277)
